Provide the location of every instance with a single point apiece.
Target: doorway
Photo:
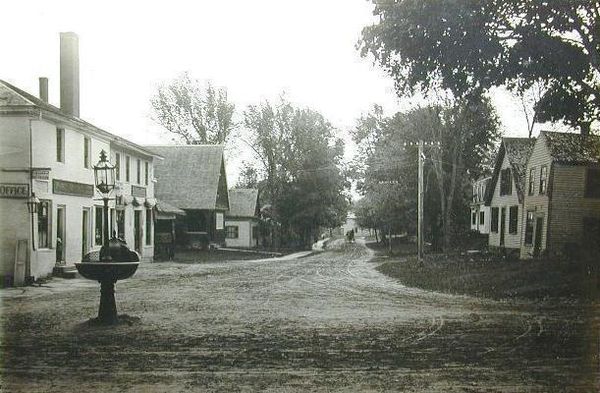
(537, 243)
(502, 221)
(85, 231)
(60, 234)
(137, 229)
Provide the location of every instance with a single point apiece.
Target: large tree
(196, 114)
(471, 45)
(300, 168)
(465, 130)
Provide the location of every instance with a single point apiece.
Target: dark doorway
(137, 229)
(537, 244)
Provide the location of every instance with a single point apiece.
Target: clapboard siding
(506, 201)
(569, 206)
(538, 203)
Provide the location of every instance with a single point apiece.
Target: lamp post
(32, 207)
(104, 175)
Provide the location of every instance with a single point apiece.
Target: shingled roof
(14, 99)
(570, 148)
(243, 202)
(517, 151)
(189, 175)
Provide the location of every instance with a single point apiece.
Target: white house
(505, 194)
(242, 221)
(50, 152)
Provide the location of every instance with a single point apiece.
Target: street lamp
(104, 175)
(32, 207)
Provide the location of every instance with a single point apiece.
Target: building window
(494, 227)
(220, 221)
(481, 218)
(138, 172)
(60, 145)
(98, 225)
(513, 219)
(127, 165)
(543, 176)
(44, 224)
(118, 166)
(531, 181)
(529, 229)
(473, 218)
(121, 224)
(87, 152)
(255, 232)
(592, 183)
(148, 227)
(146, 172)
(231, 232)
(505, 182)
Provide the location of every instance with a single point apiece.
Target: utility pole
(420, 223)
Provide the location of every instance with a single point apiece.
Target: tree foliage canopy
(465, 129)
(196, 114)
(471, 45)
(300, 167)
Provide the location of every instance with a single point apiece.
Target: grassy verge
(200, 256)
(489, 276)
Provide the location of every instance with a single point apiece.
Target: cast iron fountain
(114, 261)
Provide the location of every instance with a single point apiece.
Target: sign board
(64, 187)
(139, 192)
(9, 190)
(40, 174)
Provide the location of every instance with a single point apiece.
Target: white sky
(256, 49)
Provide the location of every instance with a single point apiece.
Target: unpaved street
(327, 322)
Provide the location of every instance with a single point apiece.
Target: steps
(64, 271)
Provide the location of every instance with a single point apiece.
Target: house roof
(188, 177)
(243, 202)
(13, 98)
(570, 148)
(517, 151)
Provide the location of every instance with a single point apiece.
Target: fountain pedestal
(107, 274)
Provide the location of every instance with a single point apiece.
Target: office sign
(10, 190)
(64, 187)
(139, 192)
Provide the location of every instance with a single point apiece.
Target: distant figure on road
(350, 236)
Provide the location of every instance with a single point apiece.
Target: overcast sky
(256, 49)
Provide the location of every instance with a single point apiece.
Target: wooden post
(420, 223)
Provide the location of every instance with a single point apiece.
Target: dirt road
(327, 322)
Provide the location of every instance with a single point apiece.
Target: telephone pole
(420, 223)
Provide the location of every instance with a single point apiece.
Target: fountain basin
(107, 271)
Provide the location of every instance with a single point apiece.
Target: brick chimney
(44, 89)
(69, 73)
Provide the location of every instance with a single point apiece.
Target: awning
(150, 203)
(166, 208)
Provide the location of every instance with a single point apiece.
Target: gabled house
(193, 179)
(505, 193)
(242, 221)
(562, 205)
(480, 213)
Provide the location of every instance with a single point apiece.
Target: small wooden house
(193, 179)
(480, 213)
(242, 221)
(505, 193)
(562, 205)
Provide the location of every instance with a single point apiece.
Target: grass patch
(485, 275)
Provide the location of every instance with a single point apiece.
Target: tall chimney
(44, 89)
(69, 73)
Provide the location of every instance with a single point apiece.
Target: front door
(137, 229)
(60, 234)
(85, 231)
(502, 221)
(537, 244)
